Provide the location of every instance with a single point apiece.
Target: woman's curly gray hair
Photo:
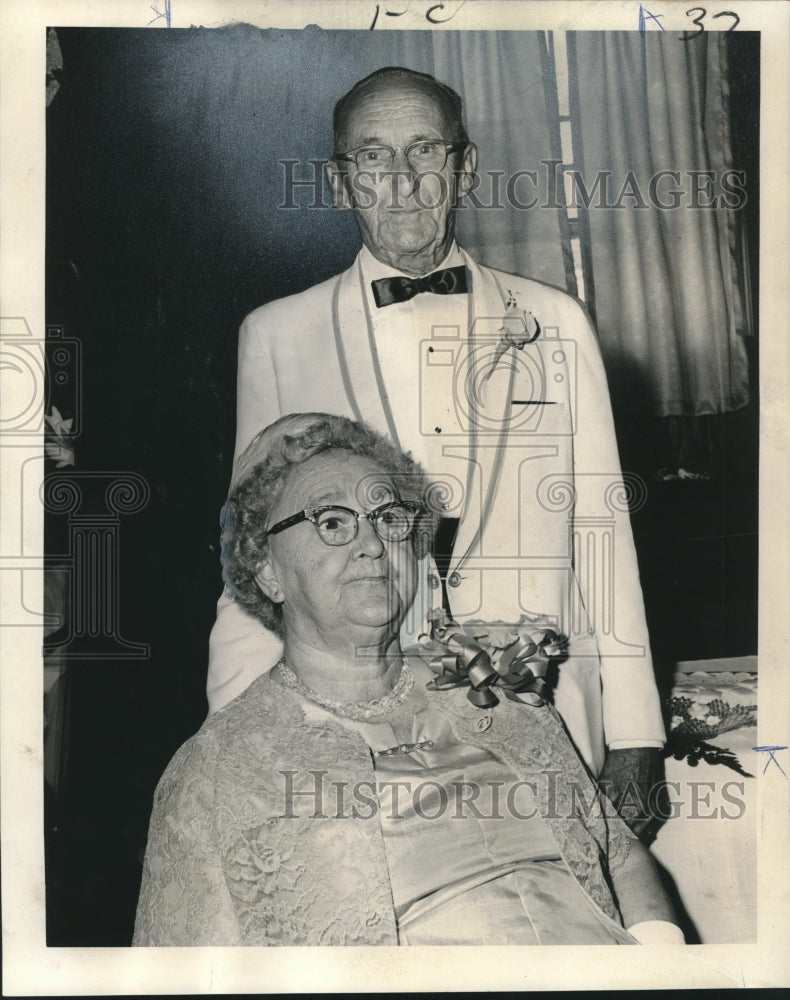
(258, 481)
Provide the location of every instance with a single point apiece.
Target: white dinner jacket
(544, 523)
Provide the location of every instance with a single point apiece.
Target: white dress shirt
(399, 331)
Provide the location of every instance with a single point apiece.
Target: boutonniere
(519, 327)
(493, 655)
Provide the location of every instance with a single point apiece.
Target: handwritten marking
(695, 20)
(388, 13)
(533, 402)
(771, 751)
(430, 14)
(441, 20)
(701, 26)
(729, 13)
(645, 16)
(159, 14)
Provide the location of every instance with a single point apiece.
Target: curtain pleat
(500, 77)
(668, 297)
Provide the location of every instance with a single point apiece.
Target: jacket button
(433, 581)
(455, 580)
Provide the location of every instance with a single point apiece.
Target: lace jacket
(256, 838)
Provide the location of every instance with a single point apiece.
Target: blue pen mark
(645, 16)
(771, 751)
(160, 14)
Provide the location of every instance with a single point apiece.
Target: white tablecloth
(709, 847)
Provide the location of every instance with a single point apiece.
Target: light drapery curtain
(668, 300)
(504, 80)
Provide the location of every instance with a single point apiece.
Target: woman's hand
(640, 894)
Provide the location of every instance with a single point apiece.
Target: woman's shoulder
(263, 695)
(259, 720)
(249, 754)
(246, 726)
(262, 731)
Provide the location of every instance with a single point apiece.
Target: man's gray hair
(446, 96)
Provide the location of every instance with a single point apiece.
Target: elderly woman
(343, 798)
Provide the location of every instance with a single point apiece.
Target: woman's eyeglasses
(392, 522)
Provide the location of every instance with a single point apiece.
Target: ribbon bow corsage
(512, 658)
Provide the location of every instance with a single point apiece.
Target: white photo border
(29, 967)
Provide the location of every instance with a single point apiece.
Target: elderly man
(496, 384)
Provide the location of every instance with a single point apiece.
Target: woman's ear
(269, 582)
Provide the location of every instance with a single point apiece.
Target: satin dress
(470, 860)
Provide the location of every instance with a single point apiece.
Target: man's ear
(467, 169)
(269, 582)
(337, 182)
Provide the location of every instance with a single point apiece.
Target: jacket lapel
(486, 404)
(356, 351)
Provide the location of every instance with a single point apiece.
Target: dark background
(160, 239)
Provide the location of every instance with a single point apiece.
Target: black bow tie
(449, 281)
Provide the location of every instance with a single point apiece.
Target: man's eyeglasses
(425, 154)
(392, 522)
